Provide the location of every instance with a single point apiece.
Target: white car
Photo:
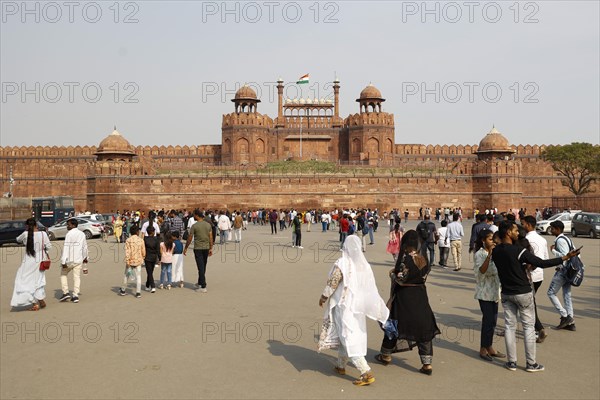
(90, 228)
(544, 226)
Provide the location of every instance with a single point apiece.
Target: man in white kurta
(74, 256)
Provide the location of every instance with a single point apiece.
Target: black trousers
(489, 309)
(298, 238)
(201, 261)
(389, 346)
(538, 323)
(273, 227)
(150, 273)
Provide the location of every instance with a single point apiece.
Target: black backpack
(574, 270)
(423, 230)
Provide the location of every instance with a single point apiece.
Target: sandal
(34, 307)
(365, 379)
(340, 371)
(382, 359)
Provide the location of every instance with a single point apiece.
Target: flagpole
(301, 96)
(300, 136)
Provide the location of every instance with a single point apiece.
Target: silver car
(90, 228)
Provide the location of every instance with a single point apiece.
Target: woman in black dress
(409, 307)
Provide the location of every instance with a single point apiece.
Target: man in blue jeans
(201, 232)
(562, 245)
(517, 294)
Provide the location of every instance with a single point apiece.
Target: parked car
(585, 223)
(544, 226)
(10, 230)
(102, 219)
(108, 217)
(90, 228)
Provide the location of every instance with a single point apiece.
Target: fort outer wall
(157, 178)
(310, 191)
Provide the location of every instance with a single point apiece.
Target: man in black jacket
(429, 235)
(475, 229)
(517, 296)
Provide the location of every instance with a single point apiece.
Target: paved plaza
(253, 335)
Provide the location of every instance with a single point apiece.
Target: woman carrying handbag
(30, 282)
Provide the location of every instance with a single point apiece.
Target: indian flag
(303, 79)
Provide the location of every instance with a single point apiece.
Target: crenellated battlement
(372, 118)
(255, 119)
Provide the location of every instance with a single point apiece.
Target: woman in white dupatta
(351, 295)
(30, 282)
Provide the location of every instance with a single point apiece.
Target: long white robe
(30, 282)
(177, 268)
(354, 300)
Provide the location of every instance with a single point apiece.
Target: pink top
(166, 257)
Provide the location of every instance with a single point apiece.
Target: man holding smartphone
(74, 256)
(517, 295)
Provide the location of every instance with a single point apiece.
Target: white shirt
(224, 224)
(539, 248)
(442, 240)
(455, 231)
(75, 248)
(145, 227)
(191, 222)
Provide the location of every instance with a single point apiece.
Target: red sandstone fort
(371, 170)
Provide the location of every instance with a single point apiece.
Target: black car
(586, 224)
(10, 230)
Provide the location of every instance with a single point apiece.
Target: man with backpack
(429, 235)
(362, 229)
(562, 245)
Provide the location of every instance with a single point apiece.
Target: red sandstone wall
(53, 171)
(315, 192)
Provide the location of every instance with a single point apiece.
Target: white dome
(308, 101)
(302, 101)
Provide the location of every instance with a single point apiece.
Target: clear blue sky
(182, 61)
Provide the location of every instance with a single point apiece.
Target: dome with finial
(494, 142)
(370, 92)
(114, 143)
(245, 93)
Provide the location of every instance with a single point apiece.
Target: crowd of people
(508, 267)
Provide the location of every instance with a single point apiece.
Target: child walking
(177, 259)
(166, 262)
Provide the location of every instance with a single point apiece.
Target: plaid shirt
(177, 225)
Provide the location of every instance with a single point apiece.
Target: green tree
(578, 163)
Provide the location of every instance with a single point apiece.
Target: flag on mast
(303, 79)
